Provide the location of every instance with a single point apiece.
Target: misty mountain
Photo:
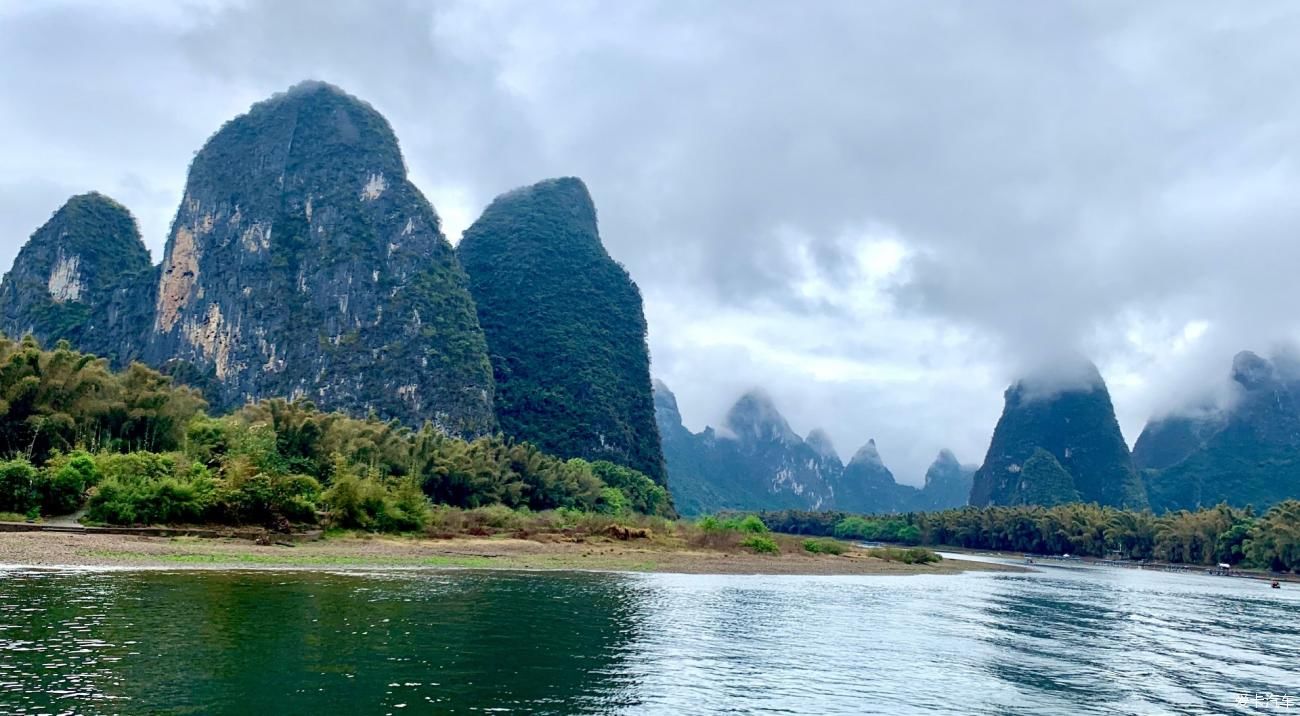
(947, 484)
(565, 328)
(1072, 423)
(757, 461)
(867, 486)
(1245, 454)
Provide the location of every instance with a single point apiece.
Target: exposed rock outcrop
(303, 263)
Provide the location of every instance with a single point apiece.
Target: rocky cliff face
(302, 262)
(565, 328)
(1246, 454)
(1075, 424)
(79, 278)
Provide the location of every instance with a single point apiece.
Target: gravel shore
(37, 549)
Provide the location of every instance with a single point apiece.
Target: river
(1056, 641)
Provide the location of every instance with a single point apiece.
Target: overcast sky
(881, 212)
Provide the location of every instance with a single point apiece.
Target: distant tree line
(1205, 537)
(134, 449)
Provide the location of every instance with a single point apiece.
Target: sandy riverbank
(61, 549)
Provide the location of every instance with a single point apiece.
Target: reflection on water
(1064, 641)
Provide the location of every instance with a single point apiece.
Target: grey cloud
(1064, 175)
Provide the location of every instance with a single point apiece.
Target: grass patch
(760, 544)
(912, 555)
(14, 517)
(825, 546)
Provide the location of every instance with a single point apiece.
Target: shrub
(407, 509)
(370, 504)
(825, 546)
(495, 517)
(913, 555)
(642, 493)
(613, 501)
(760, 544)
(263, 498)
(132, 465)
(159, 492)
(64, 481)
(749, 524)
(18, 491)
(709, 523)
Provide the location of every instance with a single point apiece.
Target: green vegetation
(1076, 427)
(93, 244)
(137, 450)
(883, 530)
(760, 544)
(1205, 537)
(565, 328)
(1044, 482)
(749, 524)
(289, 559)
(912, 555)
(825, 546)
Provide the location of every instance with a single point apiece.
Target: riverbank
(53, 549)
(1048, 561)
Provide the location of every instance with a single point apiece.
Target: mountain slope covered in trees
(1071, 421)
(303, 263)
(82, 277)
(565, 328)
(1246, 454)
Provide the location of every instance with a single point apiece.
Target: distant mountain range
(756, 461)
(1057, 441)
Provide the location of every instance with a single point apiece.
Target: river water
(1056, 641)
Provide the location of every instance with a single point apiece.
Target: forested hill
(303, 262)
(565, 328)
(83, 277)
(1058, 441)
(1245, 454)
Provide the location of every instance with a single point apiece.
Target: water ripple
(1062, 641)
